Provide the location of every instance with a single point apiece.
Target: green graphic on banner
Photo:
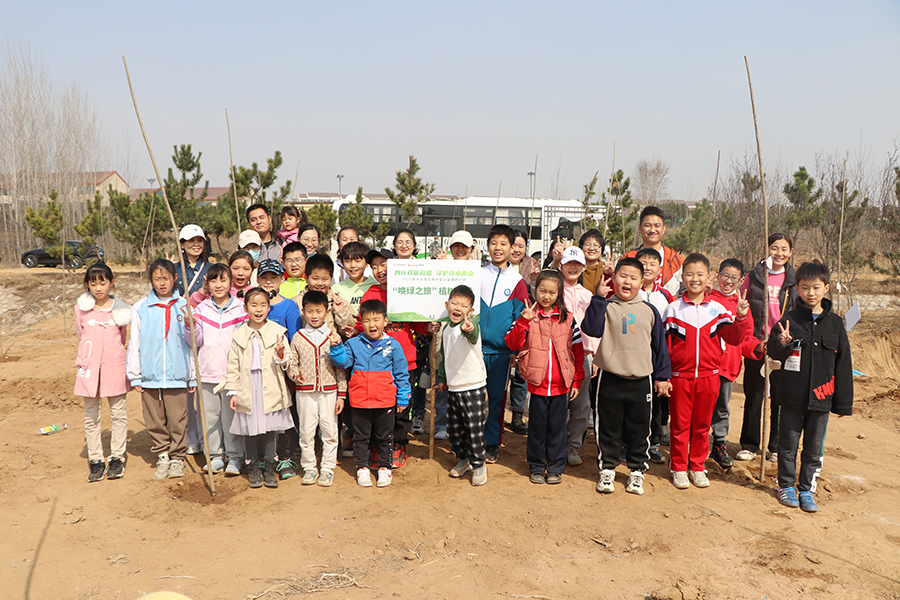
(418, 289)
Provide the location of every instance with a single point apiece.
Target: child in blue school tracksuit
(503, 296)
(159, 366)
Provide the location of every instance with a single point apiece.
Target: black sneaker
(536, 478)
(554, 478)
(655, 455)
(720, 454)
(254, 474)
(518, 424)
(491, 454)
(270, 478)
(116, 468)
(98, 469)
(664, 436)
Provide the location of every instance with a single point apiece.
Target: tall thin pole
(713, 205)
(497, 206)
(762, 180)
(841, 235)
(606, 212)
(531, 214)
(237, 210)
(212, 485)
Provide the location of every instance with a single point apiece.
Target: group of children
(289, 349)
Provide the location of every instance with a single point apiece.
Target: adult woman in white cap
(196, 259)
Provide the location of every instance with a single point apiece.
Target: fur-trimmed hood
(121, 312)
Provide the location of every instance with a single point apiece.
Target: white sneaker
(176, 468)
(461, 468)
(772, 457)
(680, 480)
(384, 477)
(606, 484)
(699, 478)
(745, 455)
(479, 476)
(233, 468)
(310, 477)
(635, 483)
(418, 425)
(573, 459)
(162, 467)
(364, 477)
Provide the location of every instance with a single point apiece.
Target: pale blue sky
(475, 90)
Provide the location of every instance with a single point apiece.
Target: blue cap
(269, 265)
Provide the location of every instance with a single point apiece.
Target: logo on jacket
(713, 311)
(507, 292)
(386, 351)
(628, 320)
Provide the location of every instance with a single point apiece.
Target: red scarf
(168, 308)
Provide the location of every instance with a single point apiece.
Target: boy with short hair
(403, 333)
(319, 271)
(816, 378)
(356, 283)
(378, 386)
(660, 298)
(577, 300)
(696, 325)
(321, 389)
(504, 295)
(269, 276)
(293, 257)
(461, 370)
(729, 278)
(632, 359)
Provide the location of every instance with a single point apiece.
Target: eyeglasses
(592, 247)
(294, 261)
(731, 278)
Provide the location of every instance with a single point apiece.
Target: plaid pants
(466, 417)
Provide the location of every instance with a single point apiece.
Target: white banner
(418, 289)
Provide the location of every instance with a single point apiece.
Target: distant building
(72, 187)
(212, 194)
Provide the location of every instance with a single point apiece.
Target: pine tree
(621, 214)
(698, 232)
(590, 208)
(47, 225)
(804, 199)
(411, 190)
(357, 216)
(325, 218)
(253, 186)
(141, 223)
(90, 228)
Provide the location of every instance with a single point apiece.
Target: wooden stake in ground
(764, 428)
(432, 393)
(212, 485)
(841, 236)
(237, 210)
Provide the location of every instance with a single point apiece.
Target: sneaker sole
(636, 491)
(381, 485)
(605, 490)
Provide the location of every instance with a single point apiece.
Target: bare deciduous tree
(650, 181)
(50, 137)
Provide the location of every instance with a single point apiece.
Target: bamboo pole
(713, 204)
(764, 438)
(237, 210)
(606, 212)
(841, 236)
(212, 485)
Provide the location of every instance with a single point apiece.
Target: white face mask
(254, 254)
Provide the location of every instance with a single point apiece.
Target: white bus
(440, 217)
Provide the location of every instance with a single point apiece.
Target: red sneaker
(399, 458)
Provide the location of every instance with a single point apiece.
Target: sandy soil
(427, 535)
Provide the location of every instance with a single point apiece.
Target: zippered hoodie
(632, 338)
(157, 358)
(503, 296)
(693, 333)
(402, 332)
(214, 331)
(551, 355)
(380, 375)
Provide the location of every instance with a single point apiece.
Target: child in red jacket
(551, 360)
(695, 326)
(729, 278)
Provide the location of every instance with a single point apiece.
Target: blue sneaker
(286, 468)
(808, 502)
(788, 497)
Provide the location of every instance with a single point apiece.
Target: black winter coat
(756, 296)
(825, 380)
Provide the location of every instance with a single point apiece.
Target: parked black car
(76, 257)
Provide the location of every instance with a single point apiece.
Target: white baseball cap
(572, 253)
(462, 237)
(248, 236)
(189, 232)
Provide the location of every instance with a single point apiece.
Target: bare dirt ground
(426, 536)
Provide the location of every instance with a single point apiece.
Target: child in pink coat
(101, 321)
